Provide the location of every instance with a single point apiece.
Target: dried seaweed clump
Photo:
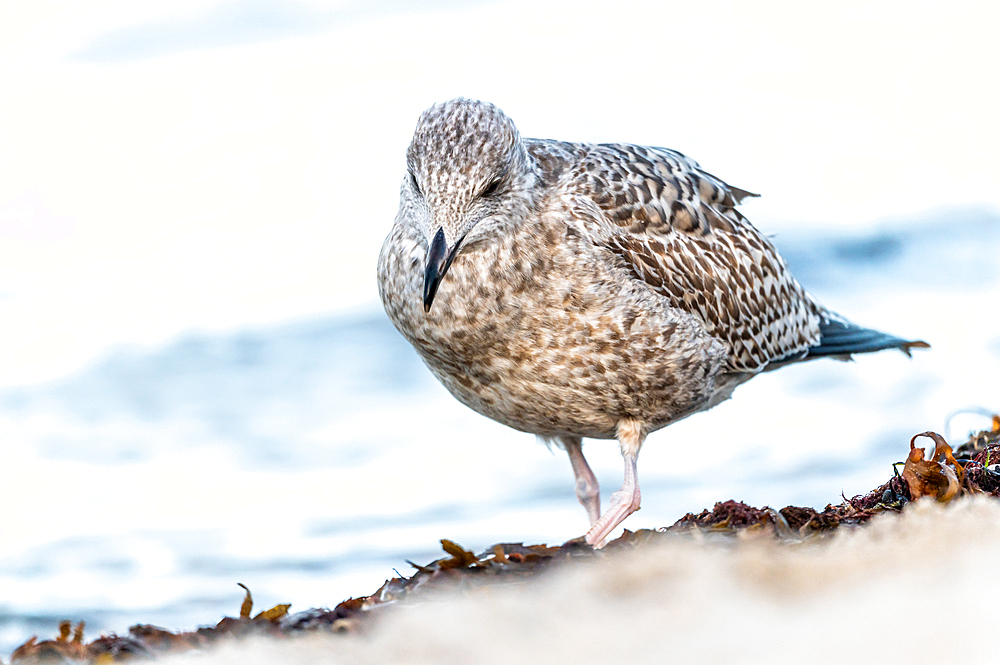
(461, 569)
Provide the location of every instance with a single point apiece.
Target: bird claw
(623, 503)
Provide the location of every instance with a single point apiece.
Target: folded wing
(676, 227)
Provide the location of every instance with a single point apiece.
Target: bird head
(468, 175)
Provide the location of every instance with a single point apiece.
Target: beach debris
(67, 646)
(938, 476)
(979, 441)
(247, 607)
(272, 614)
(971, 468)
(728, 516)
(460, 557)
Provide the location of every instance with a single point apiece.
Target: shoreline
(969, 470)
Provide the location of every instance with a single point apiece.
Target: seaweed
(971, 468)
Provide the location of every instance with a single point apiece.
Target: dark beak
(439, 259)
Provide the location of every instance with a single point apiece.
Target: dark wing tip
(916, 344)
(840, 338)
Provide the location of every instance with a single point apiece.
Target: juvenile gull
(580, 290)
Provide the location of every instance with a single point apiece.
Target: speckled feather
(594, 284)
(678, 230)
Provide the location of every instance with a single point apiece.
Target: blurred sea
(310, 459)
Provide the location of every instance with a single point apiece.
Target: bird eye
(491, 188)
(416, 186)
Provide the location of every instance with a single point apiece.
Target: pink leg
(625, 501)
(587, 489)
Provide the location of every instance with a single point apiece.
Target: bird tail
(840, 339)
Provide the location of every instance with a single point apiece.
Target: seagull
(581, 290)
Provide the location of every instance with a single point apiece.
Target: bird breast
(538, 329)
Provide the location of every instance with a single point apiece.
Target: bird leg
(625, 501)
(587, 490)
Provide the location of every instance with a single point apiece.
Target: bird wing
(676, 227)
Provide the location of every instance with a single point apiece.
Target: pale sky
(201, 165)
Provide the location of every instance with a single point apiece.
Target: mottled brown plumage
(588, 290)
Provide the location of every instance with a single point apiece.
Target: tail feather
(841, 339)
